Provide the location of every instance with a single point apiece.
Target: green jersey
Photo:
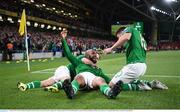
(80, 66)
(135, 47)
(72, 68)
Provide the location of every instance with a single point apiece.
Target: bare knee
(43, 83)
(47, 82)
(98, 81)
(80, 80)
(111, 84)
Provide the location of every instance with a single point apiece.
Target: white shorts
(61, 72)
(129, 73)
(88, 78)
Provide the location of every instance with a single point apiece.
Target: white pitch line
(40, 71)
(159, 76)
(46, 71)
(162, 76)
(37, 72)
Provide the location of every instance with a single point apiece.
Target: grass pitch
(163, 66)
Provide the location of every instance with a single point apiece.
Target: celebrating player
(54, 83)
(136, 60)
(87, 76)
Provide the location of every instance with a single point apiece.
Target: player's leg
(71, 88)
(62, 73)
(35, 84)
(155, 84)
(135, 87)
(128, 74)
(104, 87)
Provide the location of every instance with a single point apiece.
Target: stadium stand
(43, 41)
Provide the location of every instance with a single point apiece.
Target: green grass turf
(164, 63)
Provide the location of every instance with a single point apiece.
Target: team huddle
(83, 74)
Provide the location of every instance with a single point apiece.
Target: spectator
(9, 50)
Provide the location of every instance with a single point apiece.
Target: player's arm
(88, 62)
(122, 39)
(67, 51)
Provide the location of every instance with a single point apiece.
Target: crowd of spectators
(165, 46)
(46, 41)
(43, 41)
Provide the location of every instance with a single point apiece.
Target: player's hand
(64, 33)
(108, 50)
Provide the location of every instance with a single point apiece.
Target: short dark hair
(119, 30)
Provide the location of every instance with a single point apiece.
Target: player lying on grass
(54, 83)
(135, 58)
(87, 77)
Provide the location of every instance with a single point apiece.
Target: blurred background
(91, 25)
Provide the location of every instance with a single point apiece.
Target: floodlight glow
(28, 23)
(60, 28)
(42, 25)
(171, 1)
(9, 19)
(177, 17)
(43, 5)
(153, 8)
(1, 19)
(48, 27)
(37, 5)
(159, 10)
(54, 27)
(35, 24)
(48, 8)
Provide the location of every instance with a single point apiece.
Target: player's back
(135, 47)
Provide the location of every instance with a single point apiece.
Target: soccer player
(87, 76)
(135, 58)
(54, 83)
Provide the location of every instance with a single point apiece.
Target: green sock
(75, 86)
(128, 87)
(145, 81)
(104, 89)
(34, 84)
(58, 85)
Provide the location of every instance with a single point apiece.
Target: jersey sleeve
(80, 57)
(127, 30)
(68, 54)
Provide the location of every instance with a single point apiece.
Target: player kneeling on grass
(87, 76)
(136, 61)
(54, 83)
